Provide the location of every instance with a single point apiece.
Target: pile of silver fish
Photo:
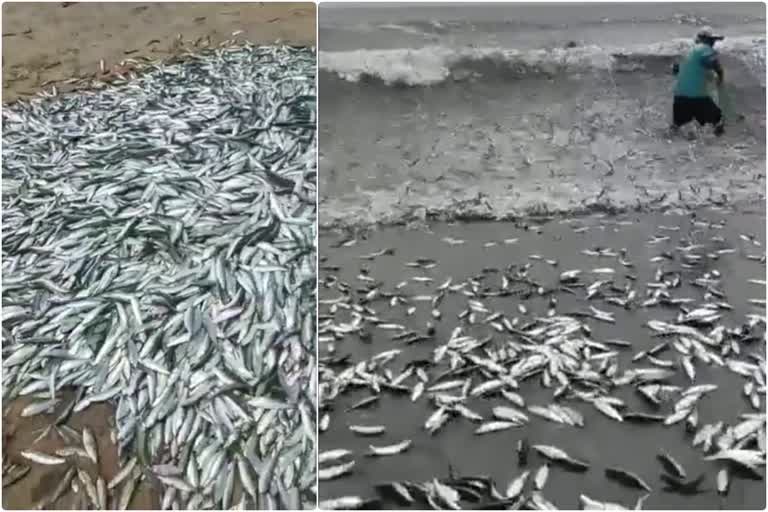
(492, 352)
(159, 254)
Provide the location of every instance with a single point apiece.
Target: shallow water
(396, 25)
(603, 442)
(499, 120)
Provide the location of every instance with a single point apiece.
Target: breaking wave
(498, 133)
(437, 64)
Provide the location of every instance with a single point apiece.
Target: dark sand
(602, 442)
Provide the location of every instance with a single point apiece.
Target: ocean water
(499, 110)
(459, 112)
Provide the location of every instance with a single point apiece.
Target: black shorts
(703, 110)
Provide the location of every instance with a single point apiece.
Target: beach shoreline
(47, 44)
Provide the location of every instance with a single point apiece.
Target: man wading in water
(692, 92)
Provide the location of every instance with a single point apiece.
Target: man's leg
(681, 114)
(720, 126)
(715, 116)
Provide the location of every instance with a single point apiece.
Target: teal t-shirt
(695, 72)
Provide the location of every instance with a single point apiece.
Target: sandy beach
(483, 252)
(51, 44)
(464, 153)
(47, 43)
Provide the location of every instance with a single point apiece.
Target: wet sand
(603, 442)
(21, 434)
(48, 43)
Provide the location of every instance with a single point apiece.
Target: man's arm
(713, 63)
(720, 73)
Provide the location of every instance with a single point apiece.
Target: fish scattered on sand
(159, 255)
(475, 369)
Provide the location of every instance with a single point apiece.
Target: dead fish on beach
(557, 455)
(346, 503)
(626, 478)
(179, 292)
(368, 430)
(540, 477)
(376, 254)
(588, 503)
(365, 402)
(723, 482)
(397, 491)
(13, 474)
(516, 486)
(333, 472)
(537, 501)
(553, 413)
(671, 466)
(607, 408)
(747, 458)
(436, 420)
(495, 426)
(510, 414)
(89, 443)
(42, 458)
(393, 449)
(467, 413)
(333, 455)
(489, 354)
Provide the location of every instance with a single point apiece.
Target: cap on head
(706, 34)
